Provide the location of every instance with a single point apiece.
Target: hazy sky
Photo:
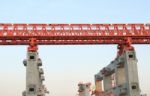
(65, 66)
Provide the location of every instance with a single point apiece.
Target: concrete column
(107, 82)
(131, 74)
(120, 76)
(98, 86)
(33, 81)
(34, 76)
(98, 89)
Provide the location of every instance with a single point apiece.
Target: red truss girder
(19, 34)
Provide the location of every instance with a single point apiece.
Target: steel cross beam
(63, 34)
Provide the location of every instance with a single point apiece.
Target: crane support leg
(98, 87)
(120, 77)
(34, 74)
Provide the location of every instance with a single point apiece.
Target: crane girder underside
(60, 34)
(72, 42)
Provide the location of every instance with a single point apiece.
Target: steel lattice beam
(63, 34)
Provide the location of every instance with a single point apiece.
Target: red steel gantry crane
(76, 34)
(62, 34)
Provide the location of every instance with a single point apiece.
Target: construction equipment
(34, 74)
(63, 34)
(120, 77)
(123, 68)
(84, 89)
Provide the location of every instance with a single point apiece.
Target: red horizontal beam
(71, 42)
(19, 34)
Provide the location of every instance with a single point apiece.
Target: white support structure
(84, 89)
(34, 76)
(125, 73)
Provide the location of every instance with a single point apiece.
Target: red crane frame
(74, 34)
(63, 34)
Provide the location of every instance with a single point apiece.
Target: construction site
(74, 47)
(119, 78)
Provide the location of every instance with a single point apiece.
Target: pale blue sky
(65, 66)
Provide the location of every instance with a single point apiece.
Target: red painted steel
(63, 34)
